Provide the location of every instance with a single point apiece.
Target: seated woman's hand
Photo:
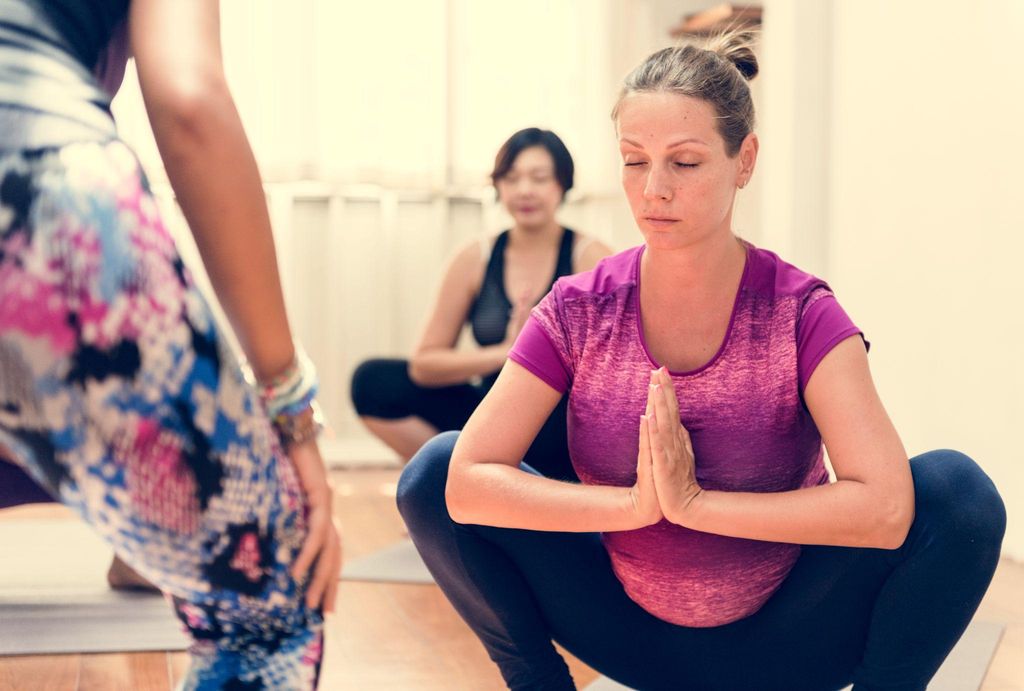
(517, 319)
(671, 451)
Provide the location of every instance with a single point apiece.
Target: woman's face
(530, 191)
(678, 178)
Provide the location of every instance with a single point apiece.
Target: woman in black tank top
(406, 402)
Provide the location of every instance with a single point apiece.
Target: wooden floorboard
(124, 672)
(407, 637)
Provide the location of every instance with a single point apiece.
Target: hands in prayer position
(666, 483)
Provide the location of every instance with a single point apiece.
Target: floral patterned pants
(119, 395)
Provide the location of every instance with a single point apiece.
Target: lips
(660, 221)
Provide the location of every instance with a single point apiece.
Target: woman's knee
(954, 489)
(421, 486)
(375, 384)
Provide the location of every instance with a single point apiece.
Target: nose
(656, 186)
(524, 186)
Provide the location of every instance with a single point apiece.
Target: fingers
(331, 597)
(664, 422)
(655, 427)
(318, 529)
(672, 402)
(313, 478)
(325, 575)
(665, 379)
(644, 458)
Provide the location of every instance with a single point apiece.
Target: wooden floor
(407, 636)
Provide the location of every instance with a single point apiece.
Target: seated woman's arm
(486, 486)
(871, 504)
(435, 360)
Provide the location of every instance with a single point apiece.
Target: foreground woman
(706, 547)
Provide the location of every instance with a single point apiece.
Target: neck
(535, 236)
(695, 269)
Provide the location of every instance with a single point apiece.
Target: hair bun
(736, 46)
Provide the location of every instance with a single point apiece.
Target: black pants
(881, 619)
(382, 388)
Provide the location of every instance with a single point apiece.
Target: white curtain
(410, 94)
(375, 125)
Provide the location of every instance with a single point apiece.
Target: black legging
(882, 619)
(381, 388)
(17, 487)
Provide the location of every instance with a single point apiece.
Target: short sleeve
(823, 325)
(542, 347)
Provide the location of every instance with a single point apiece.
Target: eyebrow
(672, 145)
(534, 169)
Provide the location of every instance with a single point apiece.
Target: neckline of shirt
(744, 278)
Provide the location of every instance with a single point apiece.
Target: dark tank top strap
(564, 265)
(495, 272)
(489, 315)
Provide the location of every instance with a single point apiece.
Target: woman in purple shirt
(705, 546)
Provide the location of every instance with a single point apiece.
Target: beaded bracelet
(290, 399)
(301, 427)
(293, 389)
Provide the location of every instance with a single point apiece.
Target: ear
(747, 159)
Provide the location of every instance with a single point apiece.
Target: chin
(665, 239)
(533, 220)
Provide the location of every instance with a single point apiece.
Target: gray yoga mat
(399, 563)
(963, 670)
(54, 596)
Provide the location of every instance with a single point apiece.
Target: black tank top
(492, 309)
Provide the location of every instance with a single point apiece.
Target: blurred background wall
(890, 164)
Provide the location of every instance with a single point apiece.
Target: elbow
(416, 373)
(420, 372)
(190, 110)
(895, 524)
(453, 499)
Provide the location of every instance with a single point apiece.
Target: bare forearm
(501, 495)
(447, 366)
(846, 513)
(213, 172)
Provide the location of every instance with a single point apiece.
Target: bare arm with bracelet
(212, 169)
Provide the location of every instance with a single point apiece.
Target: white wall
(899, 175)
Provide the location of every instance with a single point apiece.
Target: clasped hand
(666, 484)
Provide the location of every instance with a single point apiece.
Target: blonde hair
(716, 72)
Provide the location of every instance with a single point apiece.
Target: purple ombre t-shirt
(750, 429)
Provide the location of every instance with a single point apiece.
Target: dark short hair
(530, 137)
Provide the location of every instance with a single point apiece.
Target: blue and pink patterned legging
(119, 395)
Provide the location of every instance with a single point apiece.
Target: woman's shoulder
(587, 251)
(773, 276)
(611, 274)
(467, 263)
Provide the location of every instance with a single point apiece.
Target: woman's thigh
(809, 635)
(382, 388)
